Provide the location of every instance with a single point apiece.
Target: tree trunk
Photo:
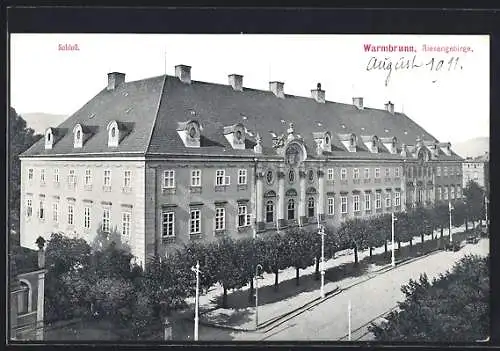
(224, 298)
(466, 225)
(355, 254)
(250, 294)
(411, 243)
(385, 246)
(422, 237)
(276, 280)
(441, 232)
(371, 252)
(399, 244)
(297, 275)
(317, 268)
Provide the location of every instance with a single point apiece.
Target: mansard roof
(153, 108)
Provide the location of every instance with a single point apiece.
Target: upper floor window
(355, 200)
(331, 206)
(410, 172)
(221, 178)
(29, 207)
(388, 200)
(310, 175)
(86, 217)
(55, 212)
(439, 193)
(113, 134)
(126, 225)
(367, 173)
(343, 174)
(88, 177)
(387, 172)
(343, 204)
(107, 177)
(195, 222)
(397, 172)
(220, 218)
(378, 200)
(438, 171)
(242, 176)
(56, 175)
(377, 172)
(71, 177)
(291, 176)
(269, 177)
(169, 178)
(330, 174)
(168, 223)
(367, 202)
(445, 171)
(30, 173)
(42, 175)
(106, 215)
(127, 178)
(445, 193)
(196, 177)
(355, 173)
(397, 198)
(71, 214)
(243, 216)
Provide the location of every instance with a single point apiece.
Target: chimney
(318, 94)
(277, 89)
(389, 107)
(236, 81)
(115, 79)
(183, 72)
(358, 102)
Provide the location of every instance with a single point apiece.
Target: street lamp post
(322, 233)
(393, 259)
(197, 271)
(450, 208)
(257, 269)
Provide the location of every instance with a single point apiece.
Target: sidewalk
(290, 299)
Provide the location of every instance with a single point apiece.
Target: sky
(451, 103)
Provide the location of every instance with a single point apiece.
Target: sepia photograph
(248, 187)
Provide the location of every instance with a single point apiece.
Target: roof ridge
(153, 125)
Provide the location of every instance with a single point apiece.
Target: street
(369, 301)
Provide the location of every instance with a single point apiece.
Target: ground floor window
(291, 209)
(269, 211)
(310, 207)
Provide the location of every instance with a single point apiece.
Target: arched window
(269, 211)
(24, 298)
(78, 135)
(113, 132)
(291, 209)
(310, 207)
(48, 137)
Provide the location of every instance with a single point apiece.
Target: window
(269, 176)
(55, 212)
(71, 214)
(452, 192)
(88, 177)
(429, 172)
(127, 178)
(310, 207)
(388, 200)
(168, 224)
(330, 174)
(113, 132)
(291, 209)
(243, 216)
(445, 193)
(29, 208)
(367, 173)
(377, 172)
(397, 198)
(23, 299)
(196, 177)
(71, 177)
(42, 175)
(387, 172)
(169, 178)
(438, 171)
(42, 210)
(105, 220)
(396, 172)
(439, 193)
(221, 178)
(331, 205)
(220, 218)
(107, 177)
(30, 174)
(56, 175)
(126, 225)
(310, 175)
(410, 172)
(445, 171)
(291, 176)
(242, 176)
(459, 192)
(378, 200)
(368, 205)
(343, 173)
(194, 223)
(343, 204)
(86, 217)
(355, 200)
(269, 211)
(355, 173)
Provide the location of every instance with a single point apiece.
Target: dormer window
(323, 141)
(390, 144)
(371, 143)
(349, 141)
(113, 134)
(49, 138)
(235, 136)
(189, 132)
(79, 134)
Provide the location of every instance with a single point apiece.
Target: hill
(40, 121)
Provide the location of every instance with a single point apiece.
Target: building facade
(477, 169)
(167, 160)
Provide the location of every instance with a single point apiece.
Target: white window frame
(169, 179)
(438, 171)
(106, 220)
(330, 174)
(388, 200)
(387, 172)
(56, 175)
(244, 213)
(343, 204)
(445, 171)
(127, 178)
(86, 217)
(71, 177)
(368, 200)
(397, 198)
(71, 214)
(126, 224)
(88, 176)
(355, 203)
(168, 223)
(439, 193)
(195, 223)
(343, 174)
(55, 212)
(42, 175)
(445, 193)
(196, 177)
(29, 208)
(397, 172)
(367, 173)
(377, 172)
(242, 176)
(378, 200)
(221, 178)
(355, 173)
(220, 218)
(31, 174)
(331, 206)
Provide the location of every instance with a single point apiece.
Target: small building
(477, 169)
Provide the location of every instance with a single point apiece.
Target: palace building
(167, 160)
